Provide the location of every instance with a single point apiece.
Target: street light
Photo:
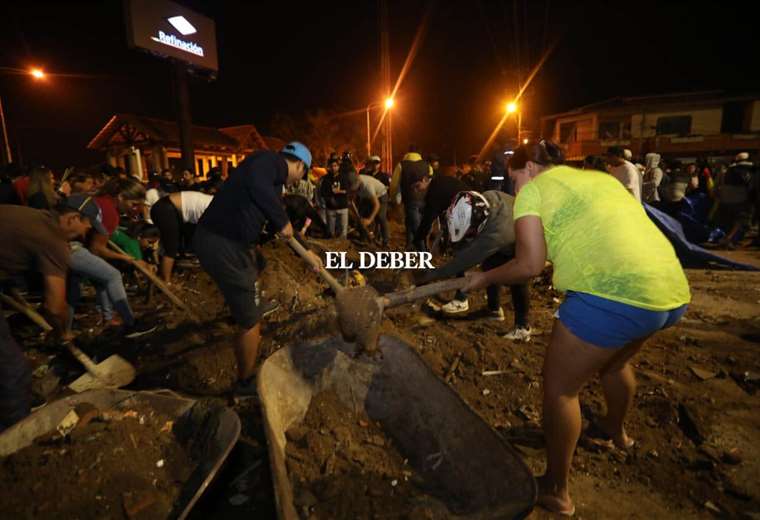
(37, 74)
(389, 103)
(511, 108)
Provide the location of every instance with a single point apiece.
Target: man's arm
(395, 181)
(55, 302)
(267, 196)
(478, 250)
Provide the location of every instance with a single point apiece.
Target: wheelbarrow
(214, 431)
(474, 472)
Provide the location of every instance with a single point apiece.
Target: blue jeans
(335, 218)
(109, 286)
(412, 220)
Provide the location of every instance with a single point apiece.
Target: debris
(703, 374)
(453, 367)
(488, 373)
(486, 391)
(238, 499)
(691, 423)
(160, 463)
(68, 423)
(710, 506)
(732, 456)
(136, 502)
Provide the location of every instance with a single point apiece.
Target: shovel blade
(113, 372)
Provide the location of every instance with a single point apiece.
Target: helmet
(299, 151)
(374, 158)
(467, 215)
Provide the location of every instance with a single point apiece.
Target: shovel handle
(83, 358)
(27, 311)
(417, 293)
(327, 277)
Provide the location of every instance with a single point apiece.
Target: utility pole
(385, 75)
(184, 120)
(7, 158)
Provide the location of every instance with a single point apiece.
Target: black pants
(168, 220)
(15, 379)
(520, 294)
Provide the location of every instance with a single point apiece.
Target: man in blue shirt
(229, 230)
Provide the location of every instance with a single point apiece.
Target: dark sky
(283, 57)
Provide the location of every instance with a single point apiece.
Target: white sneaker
(497, 315)
(456, 307)
(519, 334)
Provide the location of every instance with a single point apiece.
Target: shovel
(112, 372)
(360, 309)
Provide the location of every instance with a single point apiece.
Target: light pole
(388, 103)
(37, 74)
(511, 109)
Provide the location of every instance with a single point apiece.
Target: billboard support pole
(184, 120)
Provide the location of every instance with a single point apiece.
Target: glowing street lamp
(388, 103)
(511, 107)
(37, 73)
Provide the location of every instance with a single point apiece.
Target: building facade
(144, 144)
(701, 124)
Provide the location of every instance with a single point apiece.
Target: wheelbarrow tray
(473, 471)
(215, 434)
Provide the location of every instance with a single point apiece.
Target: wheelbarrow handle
(417, 293)
(327, 277)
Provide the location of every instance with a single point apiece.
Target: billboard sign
(172, 31)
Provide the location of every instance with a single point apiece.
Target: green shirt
(601, 240)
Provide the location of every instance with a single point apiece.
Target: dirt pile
(114, 464)
(343, 466)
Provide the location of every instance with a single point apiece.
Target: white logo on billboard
(173, 41)
(182, 25)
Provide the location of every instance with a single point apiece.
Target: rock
(732, 456)
(296, 434)
(691, 423)
(45, 385)
(376, 440)
(710, 451)
(135, 502)
(702, 374)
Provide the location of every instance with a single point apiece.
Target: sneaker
(269, 307)
(519, 334)
(497, 315)
(456, 307)
(138, 329)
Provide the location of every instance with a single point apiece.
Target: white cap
(743, 156)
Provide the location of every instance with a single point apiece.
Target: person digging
(482, 225)
(230, 229)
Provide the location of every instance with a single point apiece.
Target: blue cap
(299, 151)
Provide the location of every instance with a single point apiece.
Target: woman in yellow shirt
(623, 283)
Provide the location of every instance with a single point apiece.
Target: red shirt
(21, 185)
(109, 212)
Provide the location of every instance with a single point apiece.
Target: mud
(122, 464)
(696, 453)
(343, 466)
(360, 316)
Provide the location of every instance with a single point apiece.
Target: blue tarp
(690, 255)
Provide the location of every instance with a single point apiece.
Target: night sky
(279, 57)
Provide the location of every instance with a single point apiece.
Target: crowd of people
(509, 215)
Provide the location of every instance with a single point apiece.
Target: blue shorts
(610, 324)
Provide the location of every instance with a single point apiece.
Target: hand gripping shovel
(113, 372)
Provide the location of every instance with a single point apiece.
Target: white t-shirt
(151, 197)
(630, 177)
(371, 187)
(194, 203)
